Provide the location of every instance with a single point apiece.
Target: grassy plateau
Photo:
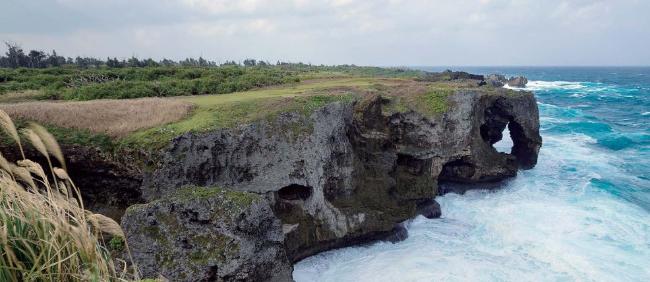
(45, 232)
(117, 113)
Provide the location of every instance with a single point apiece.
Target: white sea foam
(536, 85)
(551, 223)
(548, 224)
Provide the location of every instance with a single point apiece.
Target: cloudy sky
(364, 32)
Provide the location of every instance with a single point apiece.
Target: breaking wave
(583, 213)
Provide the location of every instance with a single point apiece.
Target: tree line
(15, 57)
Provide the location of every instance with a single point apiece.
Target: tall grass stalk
(8, 126)
(45, 233)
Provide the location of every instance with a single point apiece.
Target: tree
(109, 62)
(167, 62)
(202, 62)
(15, 56)
(36, 59)
(149, 63)
(189, 62)
(230, 63)
(80, 62)
(250, 62)
(55, 60)
(133, 62)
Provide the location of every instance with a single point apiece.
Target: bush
(105, 83)
(132, 82)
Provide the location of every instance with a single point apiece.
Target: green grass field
(228, 110)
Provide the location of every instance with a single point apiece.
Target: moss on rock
(197, 230)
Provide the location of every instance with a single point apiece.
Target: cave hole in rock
(454, 175)
(295, 192)
(458, 170)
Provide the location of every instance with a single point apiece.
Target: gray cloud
(384, 32)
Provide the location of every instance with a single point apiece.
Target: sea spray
(582, 214)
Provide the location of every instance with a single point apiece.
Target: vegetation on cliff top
(74, 83)
(40, 75)
(150, 123)
(224, 111)
(124, 83)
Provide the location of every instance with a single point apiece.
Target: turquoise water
(582, 214)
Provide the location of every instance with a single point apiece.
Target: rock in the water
(496, 80)
(429, 209)
(518, 81)
(400, 233)
(207, 234)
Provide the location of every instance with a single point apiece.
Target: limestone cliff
(244, 203)
(351, 172)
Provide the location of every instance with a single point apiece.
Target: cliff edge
(351, 171)
(249, 183)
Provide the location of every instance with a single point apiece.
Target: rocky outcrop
(496, 80)
(449, 75)
(350, 172)
(202, 234)
(518, 81)
(295, 185)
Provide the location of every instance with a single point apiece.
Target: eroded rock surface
(351, 172)
(518, 81)
(207, 234)
(496, 80)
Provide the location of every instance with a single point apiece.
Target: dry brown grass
(116, 118)
(20, 96)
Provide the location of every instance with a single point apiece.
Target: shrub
(73, 83)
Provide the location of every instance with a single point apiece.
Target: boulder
(518, 81)
(429, 209)
(207, 234)
(496, 80)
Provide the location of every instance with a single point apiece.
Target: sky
(363, 32)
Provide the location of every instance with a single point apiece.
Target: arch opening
(500, 130)
(295, 192)
(505, 144)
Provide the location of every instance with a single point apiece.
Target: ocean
(582, 214)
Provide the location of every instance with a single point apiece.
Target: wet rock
(207, 234)
(429, 209)
(399, 233)
(518, 81)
